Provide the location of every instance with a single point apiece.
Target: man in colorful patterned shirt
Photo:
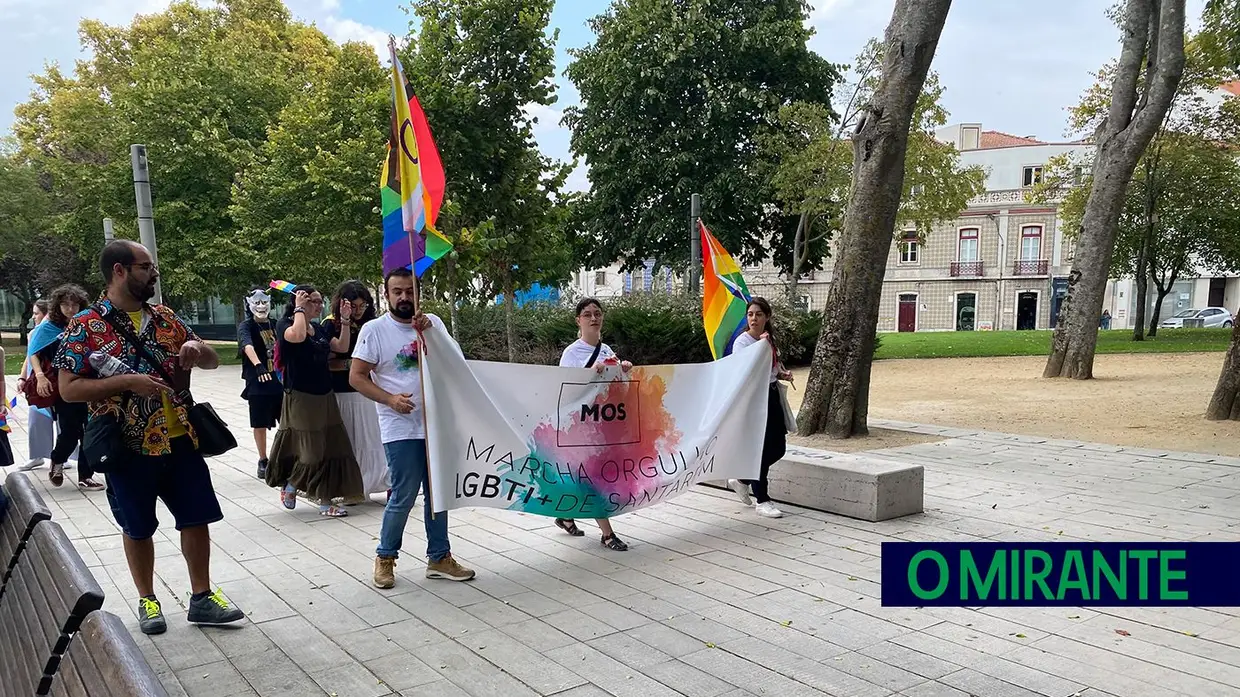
(165, 463)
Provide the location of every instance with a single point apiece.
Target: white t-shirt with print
(746, 339)
(578, 354)
(393, 349)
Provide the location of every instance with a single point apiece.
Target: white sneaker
(742, 491)
(768, 510)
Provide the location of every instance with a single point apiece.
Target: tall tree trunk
(1225, 404)
(510, 325)
(798, 257)
(1164, 289)
(1143, 296)
(1147, 245)
(1156, 26)
(453, 312)
(838, 390)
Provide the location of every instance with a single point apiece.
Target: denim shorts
(181, 480)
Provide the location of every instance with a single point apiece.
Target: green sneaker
(213, 610)
(151, 616)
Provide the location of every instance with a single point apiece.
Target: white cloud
(343, 30)
(548, 118)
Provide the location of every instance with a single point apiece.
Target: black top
(339, 362)
(305, 364)
(260, 335)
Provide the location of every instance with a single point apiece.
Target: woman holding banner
(775, 439)
(586, 352)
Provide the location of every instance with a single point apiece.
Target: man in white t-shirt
(385, 369)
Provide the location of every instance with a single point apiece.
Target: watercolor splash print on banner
(596, 459)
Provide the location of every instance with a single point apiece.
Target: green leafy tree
(675, 95)
(478, 67)
(1145, 82)
(200, 87)
(814, 171)
(309, 201)
(33, 259)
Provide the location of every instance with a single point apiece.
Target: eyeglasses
(145, 266)
(591, 315)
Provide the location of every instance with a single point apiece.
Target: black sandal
(569, 527)
(614, 543)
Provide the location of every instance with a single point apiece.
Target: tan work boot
(385, 572)
(448, 569)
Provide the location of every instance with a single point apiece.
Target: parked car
(1201, 317)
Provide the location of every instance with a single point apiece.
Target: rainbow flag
(284, 286)
(4, 424)
(725, 297)
(411, 184)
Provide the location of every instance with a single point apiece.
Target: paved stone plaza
(710, 601)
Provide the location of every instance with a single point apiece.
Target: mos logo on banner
(607, 418)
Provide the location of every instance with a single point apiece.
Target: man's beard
(141, 291)
(403, 310)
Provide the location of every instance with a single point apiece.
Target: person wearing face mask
(311, 452)
(264, 393)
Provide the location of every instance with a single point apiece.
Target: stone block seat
(851, 485)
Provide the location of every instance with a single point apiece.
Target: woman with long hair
(775, 441)
(586, 352)
(352, 307)
(66, 301)
(311, 451)
(40, 424)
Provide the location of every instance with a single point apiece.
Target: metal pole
(108, 235)
(695, 242)
(146, 218)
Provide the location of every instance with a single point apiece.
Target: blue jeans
(407, 469)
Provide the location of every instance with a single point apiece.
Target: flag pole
(417, 291)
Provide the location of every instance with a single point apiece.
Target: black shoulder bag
(214, 438)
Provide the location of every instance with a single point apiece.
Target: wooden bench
(21, 508)
(105, 661)
(48, 595)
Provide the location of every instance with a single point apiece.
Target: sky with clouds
(1012, 65)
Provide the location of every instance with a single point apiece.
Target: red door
(908, 313)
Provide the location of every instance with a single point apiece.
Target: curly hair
(66, 293)
(354, 291)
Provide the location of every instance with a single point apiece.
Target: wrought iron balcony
(1029, 267)
(966, 269)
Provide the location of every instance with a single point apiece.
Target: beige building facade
(1002, 264)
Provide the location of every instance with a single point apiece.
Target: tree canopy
(674, 97)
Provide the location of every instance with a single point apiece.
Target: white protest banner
(571, 443)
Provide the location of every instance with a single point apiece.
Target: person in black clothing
(352, 307)
(263, 391)
(311, 452)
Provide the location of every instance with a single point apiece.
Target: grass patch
(15, 355)
(1038, 343)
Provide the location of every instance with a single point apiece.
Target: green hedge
(647, 329)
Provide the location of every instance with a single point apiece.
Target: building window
(805, 303)
(1032, 176)
(600, 278)
(1031, 243)
(967, 249)
(909, 248)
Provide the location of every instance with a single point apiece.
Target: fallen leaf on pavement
(1122, 632)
